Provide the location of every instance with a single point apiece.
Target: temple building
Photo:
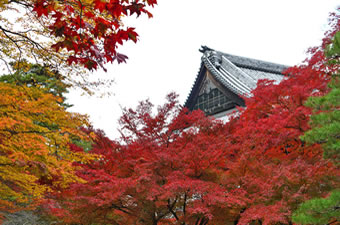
(223, 80)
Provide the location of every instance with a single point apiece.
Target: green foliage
(333, 50)
(325, 122)
(85, 145)
(319, 210)
(35, 75)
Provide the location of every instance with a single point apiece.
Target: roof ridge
(251, 63)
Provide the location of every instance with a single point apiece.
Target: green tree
(325, 122)
(38, 76)
(319, 210)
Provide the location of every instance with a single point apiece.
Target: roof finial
(204, 48)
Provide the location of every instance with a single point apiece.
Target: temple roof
(237, 74)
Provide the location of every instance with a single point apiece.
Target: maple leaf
(121, 58)
(62, 33)
(41, 8)
(100, 5)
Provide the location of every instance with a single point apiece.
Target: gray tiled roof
(240, 74)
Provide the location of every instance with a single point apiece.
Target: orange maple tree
(35, 132)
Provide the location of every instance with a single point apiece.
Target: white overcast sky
(166, 57)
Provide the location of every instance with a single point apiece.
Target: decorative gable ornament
(223, 80)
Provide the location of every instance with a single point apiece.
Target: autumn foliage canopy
(64, 33)
(171, 166)
(179, 167)
(35, 132)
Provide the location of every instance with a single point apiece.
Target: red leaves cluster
(166, 171)
(270, 165)
(181, 175)
(178, 167)
(91, 30)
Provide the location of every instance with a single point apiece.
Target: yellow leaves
(23, 65)
(34, 135)
(3, 3)
(7, 122)
(88, 2)
(5, 160)
(93, 135)
(17, 186)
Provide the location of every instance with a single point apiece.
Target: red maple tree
(91, 29)
(269, 164)
(167, 171)
(62, 33)
(179, 167)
